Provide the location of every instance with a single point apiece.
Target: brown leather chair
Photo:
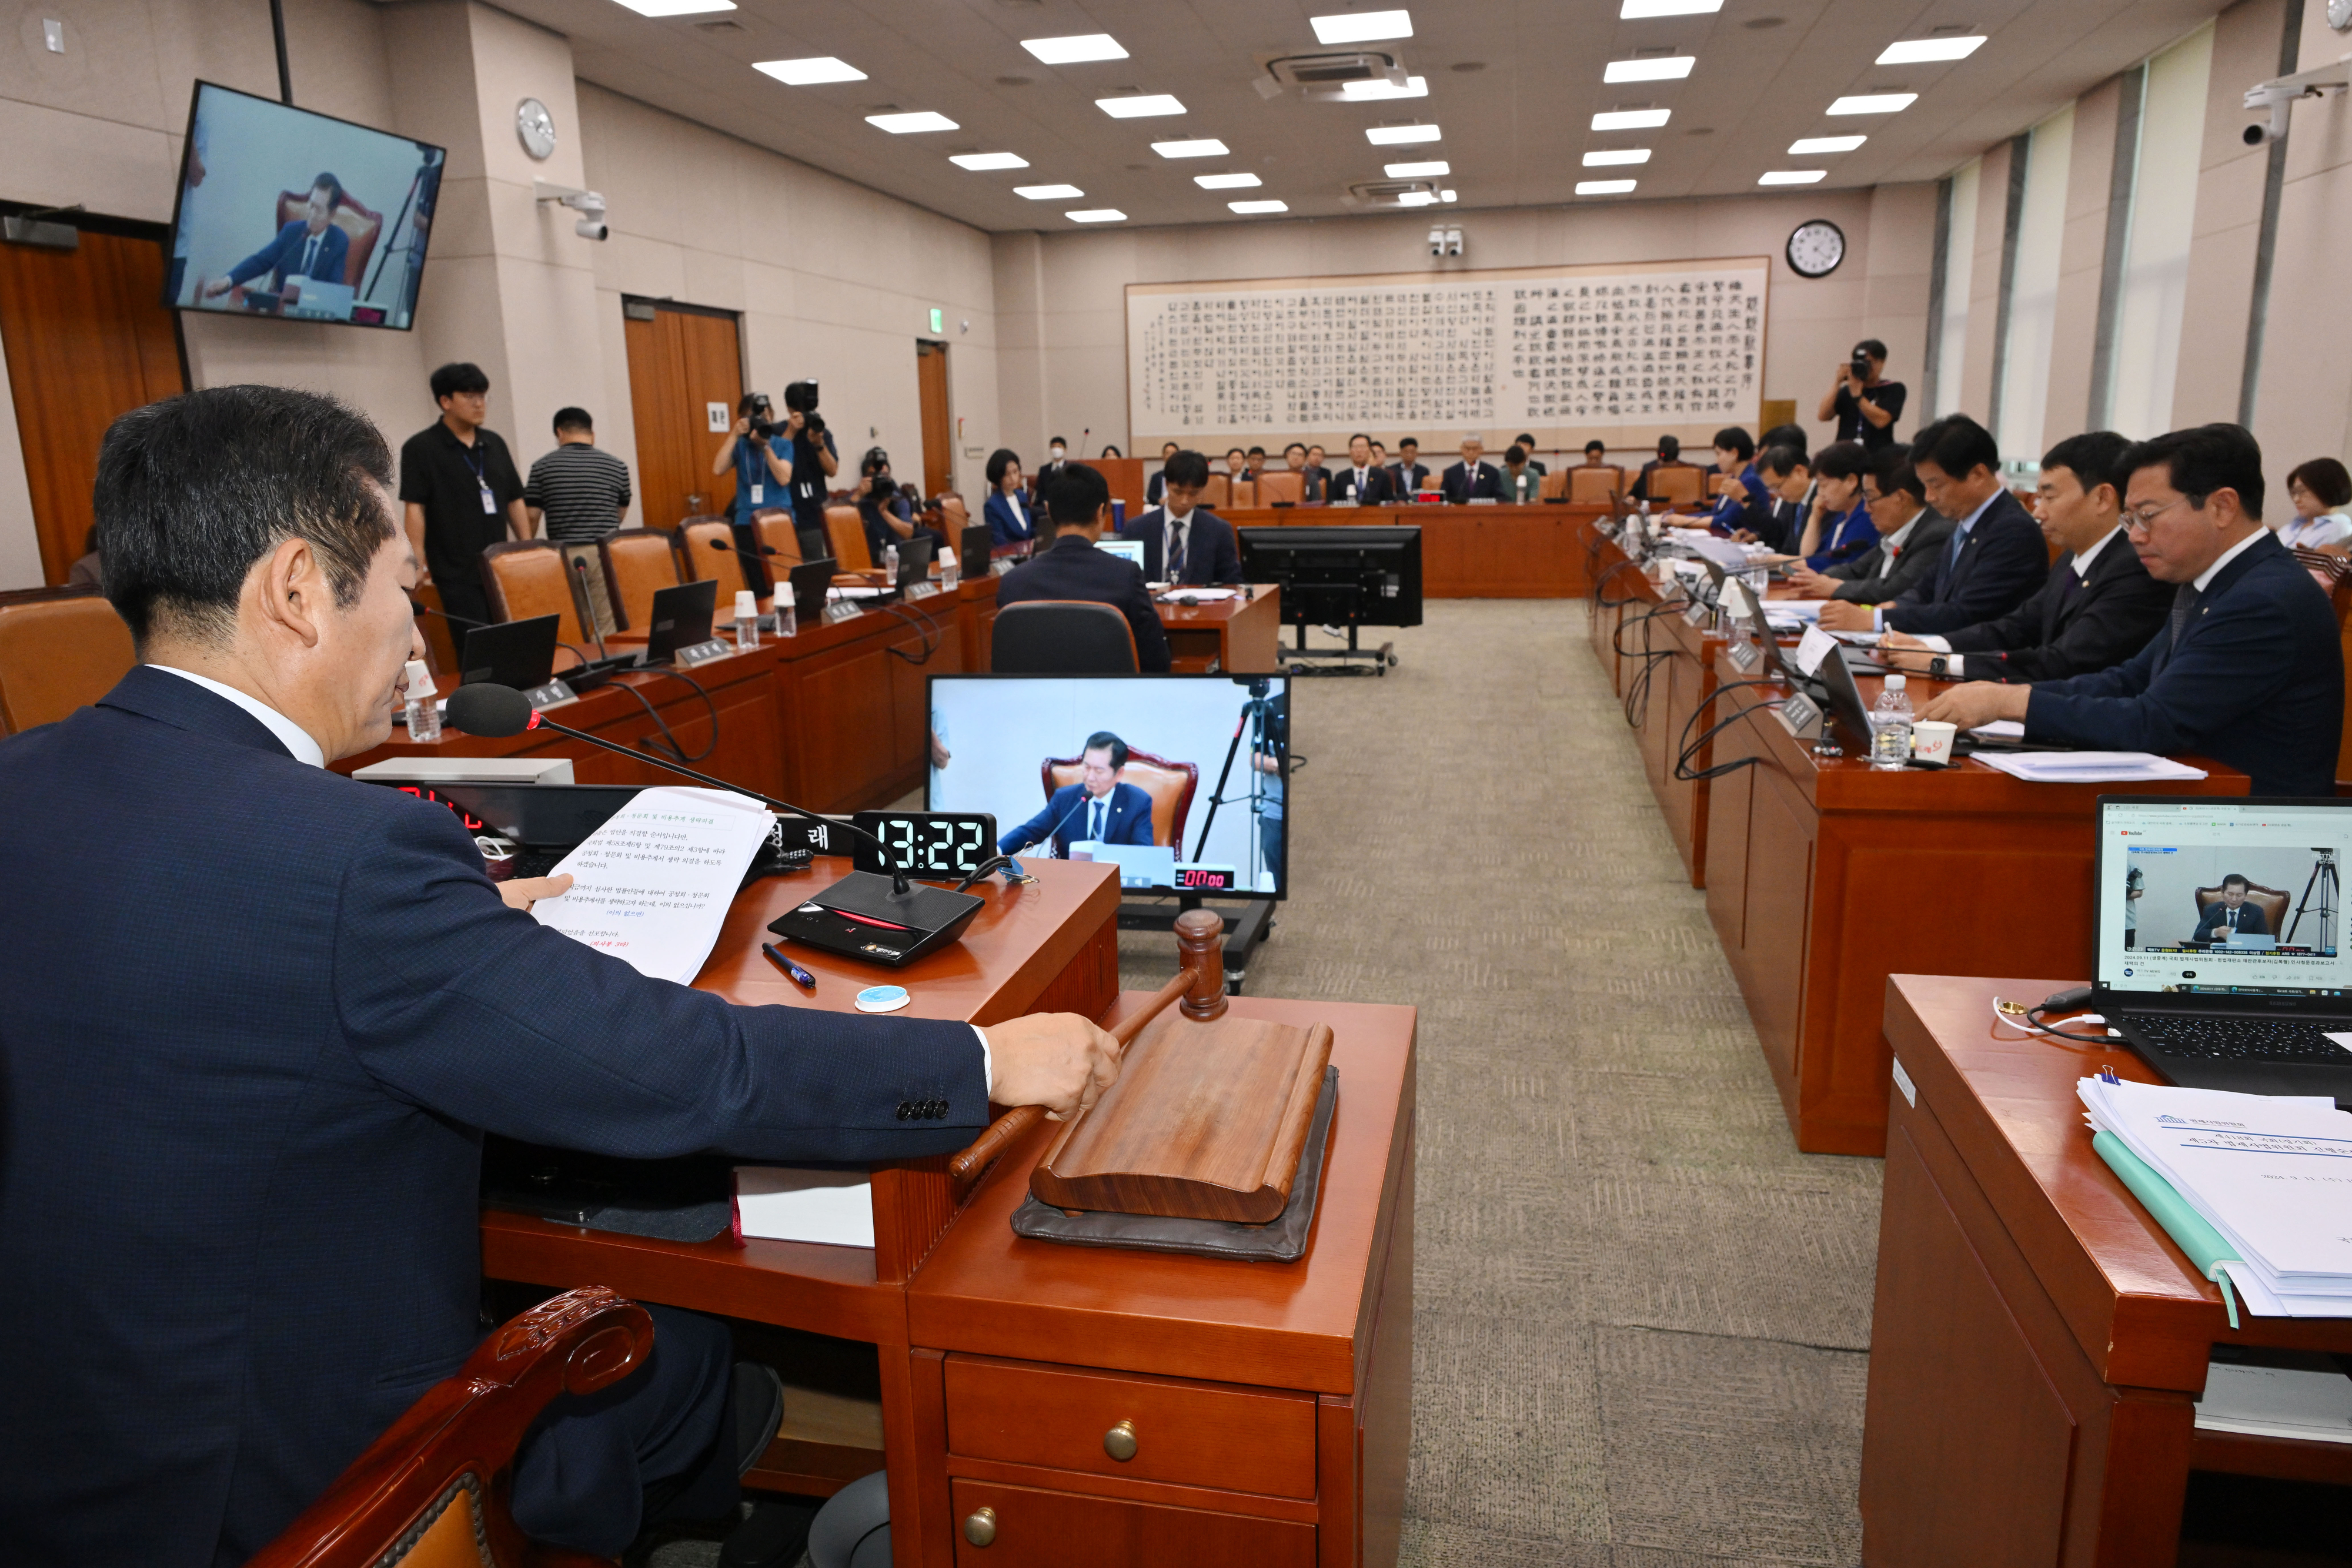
(1171, 785)
(957, 517)
(530, 577)
(779, 533)
(358, 225)
(1061, 637)
(1715, 483)
(1677, 483)
(698, 560)
(1554, 486)
(432, 1491)
(1281, 488)
(639, 563)
(60, 649)
(846, 530)
(1596, 482)
(1218, 493)
(1244, 493)
(2271, 901)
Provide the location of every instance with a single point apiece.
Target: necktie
(2071, 589)
(2184, 605)
(310, 254)
(1097, 833)
(1176, 552)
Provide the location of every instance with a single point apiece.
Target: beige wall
(2082, 255)
(1984, 285)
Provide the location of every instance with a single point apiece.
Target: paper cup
(1931, 741)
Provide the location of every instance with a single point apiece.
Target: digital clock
(1207, 878)
(925, 844)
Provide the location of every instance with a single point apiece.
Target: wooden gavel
(1201, 939)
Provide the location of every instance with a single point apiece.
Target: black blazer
(1459, 484)
(2001, 562)
(1858, 579)
(2056, 633)
(1213, 557)
(1074, 568)
(1404, 483)
(258, 1018)
(1380, 486)
(2257, 681)
(2213, 924)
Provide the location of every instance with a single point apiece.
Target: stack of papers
(2255, 1188)
(2086, 767)
(652, 885)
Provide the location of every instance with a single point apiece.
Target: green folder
(2188, 1228)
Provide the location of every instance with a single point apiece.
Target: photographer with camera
(763, 478)
(814, 457)
(887, 507)
(1865, 403)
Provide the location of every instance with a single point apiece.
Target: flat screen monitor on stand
(1340, 576)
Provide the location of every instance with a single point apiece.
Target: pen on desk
(800, 975)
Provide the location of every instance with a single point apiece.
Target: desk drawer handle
(1119, 1441)
(980, 1526)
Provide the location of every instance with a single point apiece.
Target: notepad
(786, 1203)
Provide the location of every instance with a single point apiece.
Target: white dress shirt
(2310, 533)
(292, 736)
(2224, 558)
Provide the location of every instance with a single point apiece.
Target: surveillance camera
(1453, 242)
(592, 228)
(1437, 242)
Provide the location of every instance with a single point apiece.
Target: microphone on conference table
(483, 708)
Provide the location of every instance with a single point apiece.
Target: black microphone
(483, 708)
(723, 547)
(461, 620)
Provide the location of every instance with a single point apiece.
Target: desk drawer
(1217, 1435)
(1027, 1528)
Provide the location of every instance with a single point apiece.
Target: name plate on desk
(1744, 656)
(703, 653)
(555, 693)
(1698, 614)
(1801, 717)
(843, 610)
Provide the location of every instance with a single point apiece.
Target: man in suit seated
(1996, 558)
(1158, 482)
(1788, 482)
(309, 247)
(1318, 474)
(1909, 536)
(1473, 479)
(1183, 542)
(1363, 483)
(241, 1185)
(1298, 459)
(1078, 506)
(1097, 810)
(2247, 668)
(1408, 474)
(2098, 607)
(2233, 916)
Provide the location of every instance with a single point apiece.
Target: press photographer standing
(814, 457)
(1865, 403)
(763, 477)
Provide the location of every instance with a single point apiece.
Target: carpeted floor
(1641, 1317)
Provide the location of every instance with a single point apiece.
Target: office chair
(2272, 902)
(700, 560)
(639, 563)
(360, 226)
(432, 1491)
(60, 649)
(530, 577)
(1594, 483)
(1061, 637)
(1171, 785)
(1280, 486)
(1677, 483)
(844, 529)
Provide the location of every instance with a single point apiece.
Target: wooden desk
(1533, 552)
(1271, 1402)
(1050, 948)
(1242, 635)
(1824, 876)
(2036, 1338)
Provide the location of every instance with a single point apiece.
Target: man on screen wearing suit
(1473, 479)
(2233, 916)
(1097, 810)
(309, 247)
(1079, 505)
(250, 1069)
(2098, 607)
(2246, 669)
(1363, 483)
(1996, 558)
(1182, 541)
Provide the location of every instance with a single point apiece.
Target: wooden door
(938, 425)
(684, 362)
(88, 339)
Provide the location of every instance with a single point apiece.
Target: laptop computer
(518, 653)
(2265, 1010)
(1831, 685)
(1128, 550)
(973, 546)
(811, 581)
(915, 560)
(680, 617)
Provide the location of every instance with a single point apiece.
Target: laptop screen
(1129, 550)
(2222, 897)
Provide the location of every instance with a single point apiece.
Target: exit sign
(939, 320)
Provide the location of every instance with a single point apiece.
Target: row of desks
(1534, 551)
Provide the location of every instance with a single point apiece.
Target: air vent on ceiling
(724, 25)
(1327, 75)
(1385, 193)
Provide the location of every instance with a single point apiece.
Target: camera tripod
(1249, 925)
(2321, 882)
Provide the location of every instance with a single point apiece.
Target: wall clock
(1815, 249)
(536, 127)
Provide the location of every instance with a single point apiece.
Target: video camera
(801, 397)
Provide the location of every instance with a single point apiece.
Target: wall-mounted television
(300, 216)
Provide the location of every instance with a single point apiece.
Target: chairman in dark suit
(2233, 916)
(2246, 670)
(1099, 809)
(309, 247)
(1473, 479)
(1183, 542)
(261, 1016)
(2098, 606)
(1360, 482)
(1910, 536)
(1078, 506)
(1996, 556)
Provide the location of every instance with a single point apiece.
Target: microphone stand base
(861, 917)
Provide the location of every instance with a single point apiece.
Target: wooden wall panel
(939, 419)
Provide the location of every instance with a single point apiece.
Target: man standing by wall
(1865, 403)
(582, 494)
(460, 491)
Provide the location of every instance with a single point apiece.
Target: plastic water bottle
(787, 622)
(889, 565)
(949, 573)
(424, 719)
(747, 620)
(1890, 725)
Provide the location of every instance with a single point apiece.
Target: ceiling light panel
(677, 7)
(1637, 10)
(1401, 135)
(1790, 176)
(1098, 216)
(1205, 147)
(907, 124)
(1670, 67)
(1374, 91)
(1604, 187)
(1266, 207)
(1874, 103)
(1631, 118)
(1621, 155)
(1815, 146)
(1075, 49)
(1048, 193)
(1435, 169)
(1139, 106)
(1921, 51)
(1417, 199)
(1362, 26)
(1226, 182)
(812, 72)
(980, 162)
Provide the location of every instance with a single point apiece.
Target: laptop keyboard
(2242, 1039)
